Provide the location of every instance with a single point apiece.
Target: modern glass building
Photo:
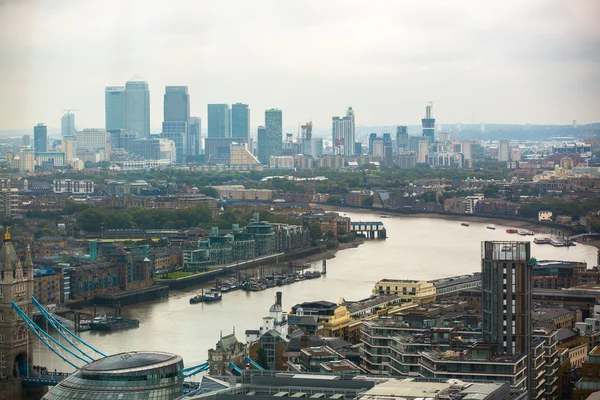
(343, 134)
(114, 108)
(40, 138)
(272, 137)
(124, 376)
(240, 121)
(176, 104)
(218, 121)
(176, 131)
(137, 108)
(428, 124)
(67, 124)
(195, 136)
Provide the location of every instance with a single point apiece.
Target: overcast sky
(491, 61)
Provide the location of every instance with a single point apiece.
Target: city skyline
(541, 69)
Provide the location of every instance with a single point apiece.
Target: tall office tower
(506, 298)
(91, 145)
(466, 150)
(176, 131)
(67, 124)
(401, 139)
(428, 124)
(218, 121)
(177, 109)
(388, 154)
(318, 147)
(387, 138)
(195, 136)
(26, 140)
(68, 148)
(372, 138)
(378, 148)
(343, 134)
(306, 131)
(272, 136)
(114, 108)
(40, 138)
(261, 146)
(503, 151)
(137, 108)
(240, 121)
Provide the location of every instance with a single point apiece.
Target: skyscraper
(507, 301)
(240, 121)
(176, 104)
(26, 140)
(372, 138)
(401, 139)
(91, 145)
(218, 121)
(307, 148)
(429, 124)
(274, 132)
(137, 108)
(40, 138)
(343, 133)
(114, 108)
(195, 136)
(177, 110)
(68, 148)
(67, 125)
(318, 147)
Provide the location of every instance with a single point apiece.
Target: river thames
(416, 248)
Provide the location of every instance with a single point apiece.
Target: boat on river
(511, 230)
(464, 224)
(542, 241)
(492, 228)
(312, 274)
(108, 324)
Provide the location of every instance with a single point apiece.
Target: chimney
(278, 301)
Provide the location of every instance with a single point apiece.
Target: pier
(370, 230)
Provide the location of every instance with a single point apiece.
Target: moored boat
(104, 323)
(312, 274)
(492, 228)
(511, 230)
(542, 241)
(212, 296)
(464, 224)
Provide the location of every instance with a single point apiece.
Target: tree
(315, 232)
(90, 220)
(261, 355)
(210, 192)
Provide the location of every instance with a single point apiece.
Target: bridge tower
(16, 283)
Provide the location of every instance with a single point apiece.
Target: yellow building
(326, 319)
(240, 155)
(421, 292)
(46, 286)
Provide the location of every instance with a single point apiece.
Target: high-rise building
(504, 151)
(176, 131)
(40, 138)
(137, 108)
(401, 139)
(388, 154)
(506, 298)
(218, 121)
(68, 148)
(177, 110)
(377, 147)
(358, 148)
(423, 150)
(261, 145)
(195, 136)
(343, 134)
(428, 124)
(9, 202)
(114, 108)
(240, 121)
(306, 131)
(91, 145)
(372, 138)
(67, 124)
(271, 143)
(26, 140)
(318, 147)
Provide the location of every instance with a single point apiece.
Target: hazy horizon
(532, 62)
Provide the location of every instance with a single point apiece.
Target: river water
(416, 248)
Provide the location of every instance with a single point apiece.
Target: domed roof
(275, 308)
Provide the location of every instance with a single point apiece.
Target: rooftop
(122, 361)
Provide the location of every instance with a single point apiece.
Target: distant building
(270, 136)
(218, 121)
(217, 150)
(307, 147)
(68, 148)
(428, 124)
(40, 138)
(544, 216)
(92, 145)
(67, 125)
(25, 140)
(240, 155)
(9, 202)
(137, 108)
(195, 136)
(318, 147)
(423, 151)
(177, 132)
(282, 162)
(401, 139)
(240, 121)
(406, 160)
(50, 158)
(73, 186)
(504, 151)
(343, 134)
(418, 291)
(114, 108)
